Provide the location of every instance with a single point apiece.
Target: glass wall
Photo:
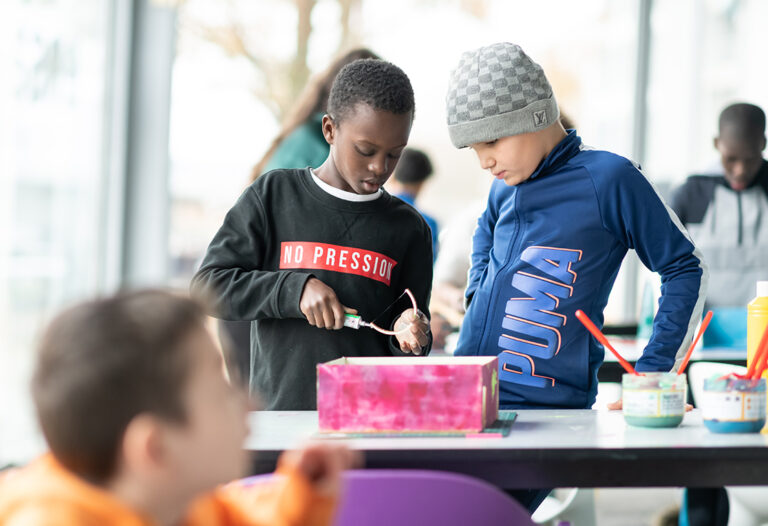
(221, 123)
(58, 200)
(54, 68)
(705, 55)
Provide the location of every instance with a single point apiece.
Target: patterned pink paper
(408, 394)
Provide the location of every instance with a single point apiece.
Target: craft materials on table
(757, 321)
(733, 405)
(499, 429)
(408, 394)
(736, 403)
(653, 399)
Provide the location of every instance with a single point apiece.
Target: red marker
(703, 328)
(591, 327)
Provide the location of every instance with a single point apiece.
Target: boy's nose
(487, 162)
(378, 168)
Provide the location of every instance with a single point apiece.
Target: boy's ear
(142, 447)
(329, 129)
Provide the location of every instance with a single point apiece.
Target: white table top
(533, 429)
(552, 448)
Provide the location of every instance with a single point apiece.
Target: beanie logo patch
(540, 118)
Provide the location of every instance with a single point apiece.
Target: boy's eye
(395, 155)
(364, 153)
(490, 143)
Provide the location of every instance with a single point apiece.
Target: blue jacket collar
(408, 198)
(559, 155)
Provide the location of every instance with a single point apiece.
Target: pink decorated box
(408, 394)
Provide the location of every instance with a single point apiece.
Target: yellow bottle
(757, 320)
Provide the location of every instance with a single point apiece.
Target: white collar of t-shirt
(341, 194)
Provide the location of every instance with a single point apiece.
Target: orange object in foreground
(46, 490)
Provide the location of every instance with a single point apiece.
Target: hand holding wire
(321, 306)
(412, 331)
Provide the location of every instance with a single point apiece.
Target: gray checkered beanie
(497, 91)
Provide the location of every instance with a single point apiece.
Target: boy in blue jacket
(559, 220)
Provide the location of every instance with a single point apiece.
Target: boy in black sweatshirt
(302, 248)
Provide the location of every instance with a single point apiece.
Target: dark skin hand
(323, 310)
(321, 306)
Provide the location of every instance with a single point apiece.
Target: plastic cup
(654, 399)
(733, 405)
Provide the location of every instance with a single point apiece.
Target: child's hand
(412, 329)
(321, 306)
(323, 464)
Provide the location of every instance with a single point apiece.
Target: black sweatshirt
(285, 229)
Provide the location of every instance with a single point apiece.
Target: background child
(724, 213)
(413, 170)
(132, 399)
(302, 247)
(559, 220)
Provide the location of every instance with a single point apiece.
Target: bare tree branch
(349, 38)
(299, 68)
(280, 83)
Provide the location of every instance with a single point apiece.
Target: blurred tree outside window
(241, 65)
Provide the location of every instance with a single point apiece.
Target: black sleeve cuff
(289, 294)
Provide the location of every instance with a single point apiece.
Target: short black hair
(378, 83)
(414, 166)
(747, 120)
(102, 363)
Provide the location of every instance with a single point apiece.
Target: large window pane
(705, 55)
(53, 62)
(220, 126)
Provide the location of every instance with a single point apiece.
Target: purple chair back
(417, 498)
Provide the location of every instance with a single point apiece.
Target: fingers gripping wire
(385, 331)
(356, 322)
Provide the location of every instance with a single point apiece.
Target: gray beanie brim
(534, 117)
(498, 91)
